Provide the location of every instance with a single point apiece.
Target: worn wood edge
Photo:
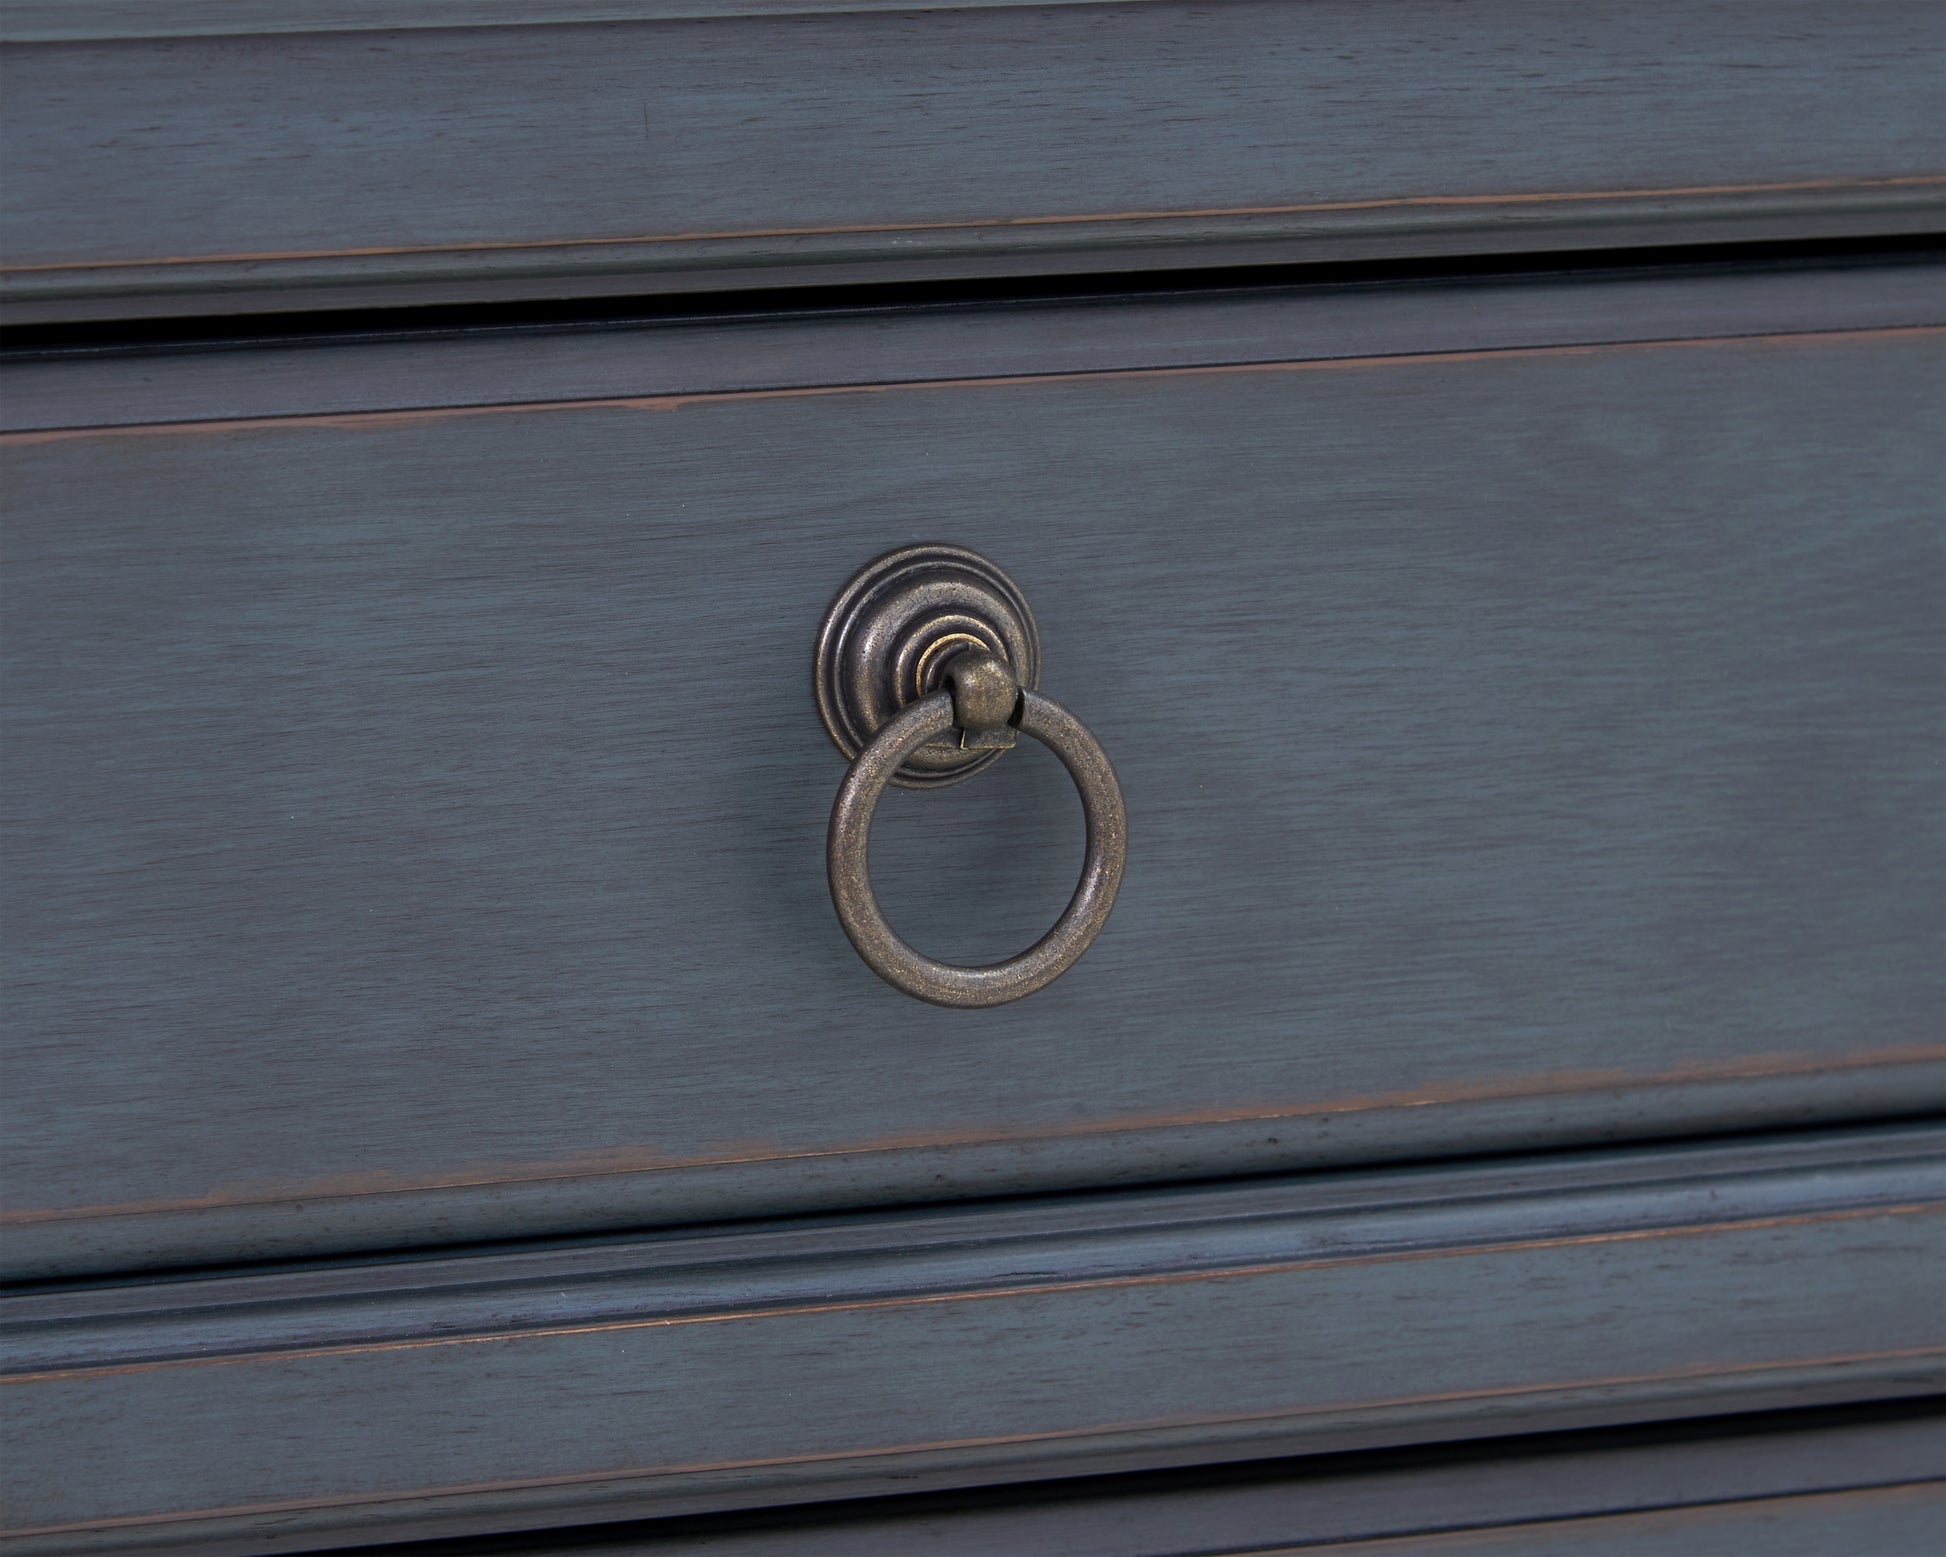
(1116, 1449)
(821, 349)
(1325, 232)
(624, 1191)
(68, 21)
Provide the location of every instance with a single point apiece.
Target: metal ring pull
(921, 640)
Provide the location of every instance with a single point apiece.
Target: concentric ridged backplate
(891, 631)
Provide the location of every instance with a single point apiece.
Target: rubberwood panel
(332, 168)
(502, 1391)
(418, 818)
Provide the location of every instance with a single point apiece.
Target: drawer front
(242, 165)
(418, 817)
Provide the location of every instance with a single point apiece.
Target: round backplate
(891, 631)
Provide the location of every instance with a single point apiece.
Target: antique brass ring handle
(921, 648)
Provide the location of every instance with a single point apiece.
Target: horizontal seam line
(997, 224)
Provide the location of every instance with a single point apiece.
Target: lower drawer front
(419, 816)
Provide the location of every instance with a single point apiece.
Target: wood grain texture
(878, 345)
(704, 146)
(941, 1348)
(418, 820)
